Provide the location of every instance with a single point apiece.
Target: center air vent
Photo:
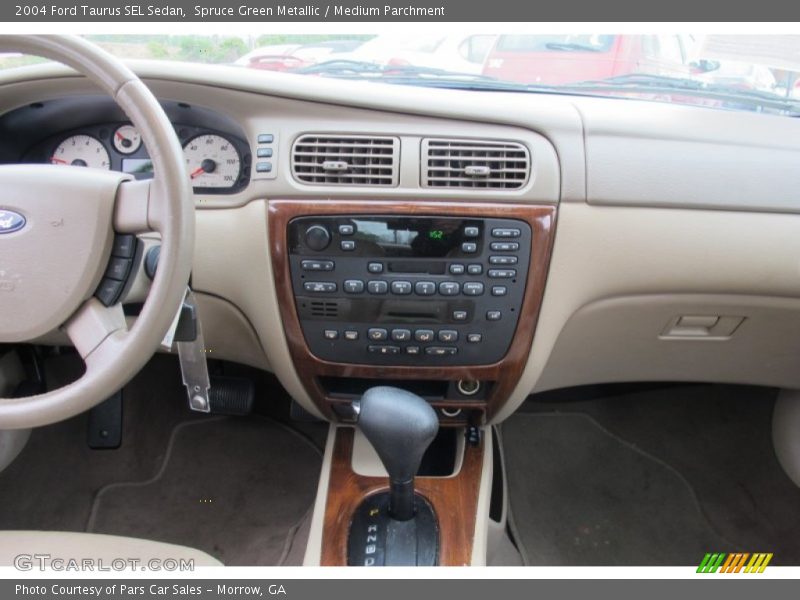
(346, 160)
(474, 164)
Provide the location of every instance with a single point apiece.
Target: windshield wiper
(571, 47)
(646, 83)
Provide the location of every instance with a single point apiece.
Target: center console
(437, 297)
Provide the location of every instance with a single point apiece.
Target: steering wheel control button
(504, 246)
(457, 269)
(469, 247)
(471, 232)
(401, 288)
(448, 336)
(317, 265)
(266, 138)
(493, 315)
(385, 350)
(377, 335)
(317, 237)
(264, 153)
(475, 269)
(474, 338)
(118, 268)
(449, 288)
(331, 334)
(503, 260)
(347, 245)
(499, 290)
(353, 286)
(425, 288)
(460, 315)
(351, 335)
(109, 291)
(401, 335)
(377, 287)
(502, 273)
(506, 232)
(346, 230)
(320, 287)
(124, 246)
(423, 335)
(473, 288)
(375, 267)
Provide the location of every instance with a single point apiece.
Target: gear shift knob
(400, 426)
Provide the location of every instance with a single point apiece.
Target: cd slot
(424, 267)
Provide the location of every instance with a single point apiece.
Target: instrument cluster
(216, 162)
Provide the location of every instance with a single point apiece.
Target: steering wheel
(56, 240)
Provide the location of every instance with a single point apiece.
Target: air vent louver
(484, 164)
(346, 160)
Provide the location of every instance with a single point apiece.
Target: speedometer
(81, 151)
(212, 161)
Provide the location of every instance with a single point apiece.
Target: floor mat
(235, 488)
(580, 496)
(716, 439)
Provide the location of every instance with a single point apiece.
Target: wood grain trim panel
(454, 499)
(505, 373)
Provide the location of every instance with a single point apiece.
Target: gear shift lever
(400, 426)
(396, 528)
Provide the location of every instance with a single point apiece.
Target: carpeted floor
(656, 477)
(237, 488)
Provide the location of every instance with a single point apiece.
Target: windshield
(758, 73)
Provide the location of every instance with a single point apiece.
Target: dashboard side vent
(485, 164)
(346, 160)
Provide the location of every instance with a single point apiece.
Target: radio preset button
(401, 288)
(425, 288)
(377, 287)
(499, 290)
(449, 288)
(375, 267)
(503, 260)
(423, 335)
(401, 335)
(475, 269)
(505, 232)
(353, 286)
(347, 245)
(377, 335)
(317, 265)
(469, 247)
(473, 288)
(319, 287)
(448, 336)
(474, 338)
(502, 273)
(456, 269)
(493, 315)
(460, 315)
(504, 246)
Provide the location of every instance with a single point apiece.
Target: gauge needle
(120, 136)
(58, 161)
(196, 172)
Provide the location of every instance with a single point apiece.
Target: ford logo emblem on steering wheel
(10, 221)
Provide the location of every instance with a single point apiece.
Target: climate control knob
(317, 237)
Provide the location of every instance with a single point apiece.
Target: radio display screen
(409, 237)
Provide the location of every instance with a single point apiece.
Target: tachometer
(81, 151)
(127, 139)
(212, 161)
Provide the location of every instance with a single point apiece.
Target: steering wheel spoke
(134, 207)
(94, 326)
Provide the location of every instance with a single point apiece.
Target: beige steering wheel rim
(113, 354)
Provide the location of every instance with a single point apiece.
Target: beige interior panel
(603, 253)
